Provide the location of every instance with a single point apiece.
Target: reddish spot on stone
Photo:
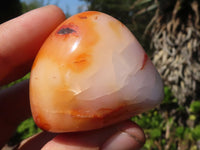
(41, 123)
(82, 17)
(96, 17)
(144, 61)
(99, 114)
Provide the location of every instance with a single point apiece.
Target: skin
(20, 40)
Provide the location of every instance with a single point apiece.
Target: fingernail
(125, 139)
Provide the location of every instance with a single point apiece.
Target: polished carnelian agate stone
(91, 72)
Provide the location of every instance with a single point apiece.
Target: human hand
(20, 40)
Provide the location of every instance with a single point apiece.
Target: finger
(21, 38)
(14, 108)
(123, 136)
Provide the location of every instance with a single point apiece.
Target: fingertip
(52, 9)
(129, 136)
(55, 9)
(135, 131)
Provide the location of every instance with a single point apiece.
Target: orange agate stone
(91, 72)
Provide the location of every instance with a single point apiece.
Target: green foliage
(152, 123)
(195, 107)
(149, 120)
(155, 133)
(168, 95)
(196, 133)
(180, 132)
(26, 129)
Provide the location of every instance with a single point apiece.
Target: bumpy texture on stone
(91, 72)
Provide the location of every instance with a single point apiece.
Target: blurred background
(169, 31)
